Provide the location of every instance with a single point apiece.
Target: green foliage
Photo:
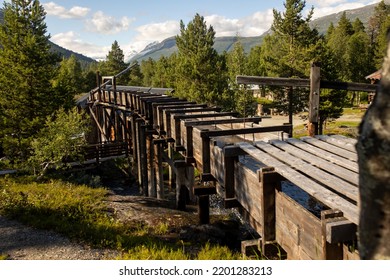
(154, 252)
(69, 81)
(199, 67)
(80, 212)
(217, 252)
(135, 75)
(236, 98)
(27, 68)
(114, 64)
(288, 51)
(62, 138)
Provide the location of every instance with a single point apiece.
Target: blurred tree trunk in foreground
(374, 173)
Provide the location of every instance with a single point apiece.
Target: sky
(90, 27)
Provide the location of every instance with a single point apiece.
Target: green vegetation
(81, 213)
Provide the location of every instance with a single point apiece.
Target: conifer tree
(69, 81)
(114, 64)
(26, 71)
(199, 65)
(289, 50)
(237, 99)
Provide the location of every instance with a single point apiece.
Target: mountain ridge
(168, 46)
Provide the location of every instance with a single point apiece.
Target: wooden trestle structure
(246, 163)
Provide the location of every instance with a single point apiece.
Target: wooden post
(270, 181)
(314, 102)
(150, 163)
(181, 189)
(206, 168)
(330, 251)
(290, 106)
(171, 170)
(204, 209)
(158, 149)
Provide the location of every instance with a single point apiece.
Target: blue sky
(91, 26)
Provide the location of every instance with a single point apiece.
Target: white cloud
(253, 25)
(104, 24)
(70, 40)
(157, 31)
(76, 12)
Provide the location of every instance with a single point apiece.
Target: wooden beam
(255, 120)
(330, 251)
(250, 130)
(295, 82)
(314, 102)
(269, 81)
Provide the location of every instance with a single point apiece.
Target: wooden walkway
(243, 161)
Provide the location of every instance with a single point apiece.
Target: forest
(39, 87)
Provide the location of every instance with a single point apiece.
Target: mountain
(221, 44)
(62, 52)
(363, 14)
(168, 46)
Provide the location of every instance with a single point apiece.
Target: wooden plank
(270, 81)
(216, 133)
(294, 82)
(337, 142)
(350, 140)
(297, 230)
(314, 102)
(313, 188)
(351, 165)
(340, 230)
(330, 148)
(342, 172)
(247, 191)
(331, 182)
(223, 121)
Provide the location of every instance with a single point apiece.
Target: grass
(346, 128)
(80, 213)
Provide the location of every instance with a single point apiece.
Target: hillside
(84, 60)
(168, 46)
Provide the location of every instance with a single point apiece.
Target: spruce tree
(114, 64)
(69, 81)
(26, 70)
(199, 64)
(289, 50)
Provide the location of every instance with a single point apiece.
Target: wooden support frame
(270, 182)
(330, 251)
(251, 130)
(230, 154)
(314, 102)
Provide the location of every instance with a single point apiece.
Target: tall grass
(80, 212)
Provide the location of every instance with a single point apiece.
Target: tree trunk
(374, 173)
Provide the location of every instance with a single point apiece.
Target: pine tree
(289, 50)
(148, 71)
(26, 71)
(69, 81)
(237, 99)
(199, 64)
(114, 64)
(337, 43)
(378, 25)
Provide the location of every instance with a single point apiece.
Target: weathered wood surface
(310, 186)
(331, 157)
(297, 230)
(323, 167)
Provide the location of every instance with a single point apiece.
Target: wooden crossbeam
(223, 121)
(249, 130)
